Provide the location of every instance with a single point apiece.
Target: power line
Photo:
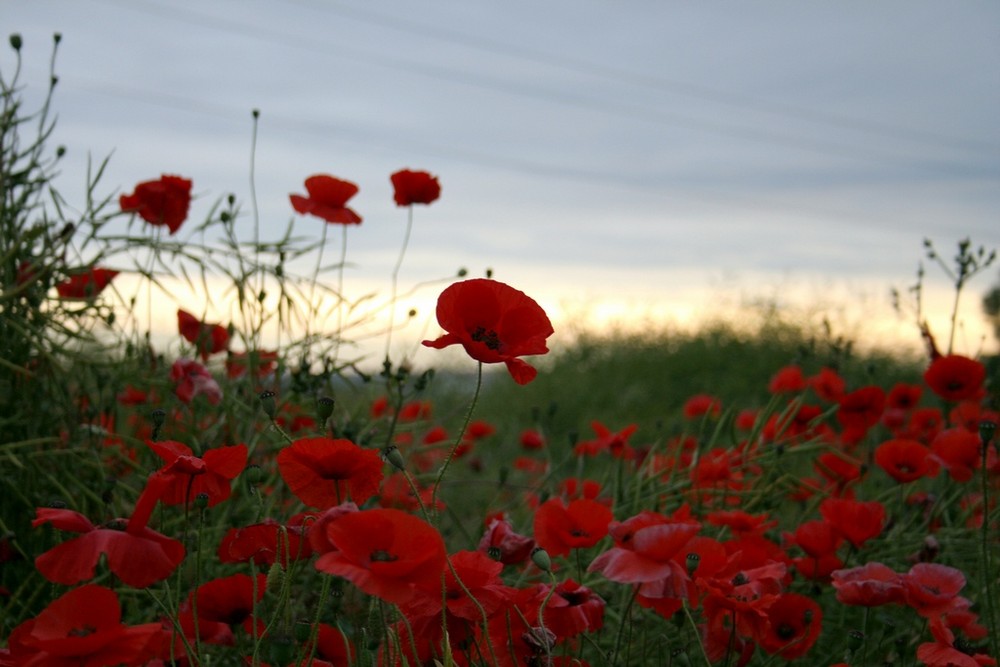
(684, 88)
(660, 117)
(521, 166)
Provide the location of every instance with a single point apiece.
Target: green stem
(461, 434)
(395, 278)
(990, 576)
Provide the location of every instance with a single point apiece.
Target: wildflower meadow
(250, 493)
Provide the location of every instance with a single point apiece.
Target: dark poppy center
(383, 557)
(487, 337)
(576, 532)
(785, 631)
(740, 579)
(82, 631)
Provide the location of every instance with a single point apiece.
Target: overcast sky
(598, 155)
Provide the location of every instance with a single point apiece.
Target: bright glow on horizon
(869, 322)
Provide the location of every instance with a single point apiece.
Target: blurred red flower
(324, 472)
(700, 405)
(494, 323)
(560, 527)
(958, 450)
(384, 552)
(136, 554)
(955, 378)
(83, 627)
(191, 379)
(86, 285)
(905, 460)
(787, 380)
(327, 199)
(237, 363)
(856, 520)
(861, 409)
(414, 187)
(264, 544)
(869, 585)
(161, 202)
(794, 623)
(207, 338)
(223, 603)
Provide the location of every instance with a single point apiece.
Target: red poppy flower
(323, 472)
(793, 626)
(264, 544)
(700, 405)
(905, 460)
(644, 552)
(494, 323)
(904, 396)
(932, 589)
(614, 442)
(861, 409)
(512, 547)
(191, 379)
(955, 378)
(327, 199)
(828, 385)
(958, 451)
(869, 585)
(136, 554)
(942, 652)
(86, 285)
(230, 600)
(185, 476)
(532, 439)
(573, 609)
(855, 520)
(817, 538)
(787, 380)
(414, 187)
(560, 527)
(83, 627)
(480, 576)
(207, 338)
(384, 552)
(237, 363)
(162, 202)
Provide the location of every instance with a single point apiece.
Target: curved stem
(461, 434)
(395, 279)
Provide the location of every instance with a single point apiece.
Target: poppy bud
(855, 640)
(254, 474)
(157, 416)
(275, 576)
(424, 379)
(282, 650)
(324, 408)
(692, 560)
(540, 557)
(392, 455)
(987, 429)
(268, 403)
(57, 37)
(15, 41)
(462, 272)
